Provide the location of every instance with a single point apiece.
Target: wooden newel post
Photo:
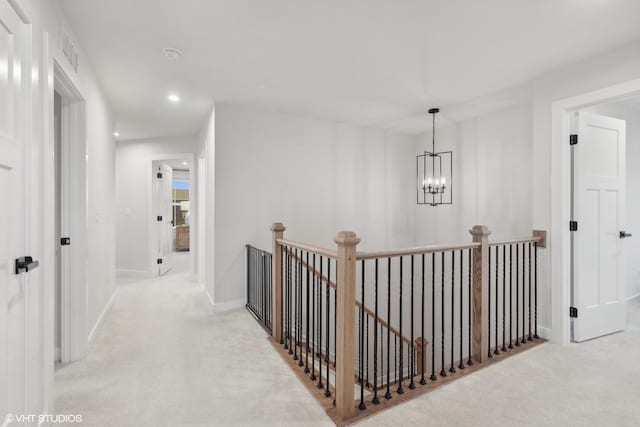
(480, 296)
(278, 233)
(345, 339)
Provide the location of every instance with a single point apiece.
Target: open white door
(164, 206)
(15, 366)
(599, 200)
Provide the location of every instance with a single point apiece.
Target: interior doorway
(70, 220)
(606, 208)
(173, 210)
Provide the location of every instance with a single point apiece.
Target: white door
(14, 373)
(164, 197)
(599, 193)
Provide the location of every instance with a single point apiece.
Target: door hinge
(159, 260)
(573, 139)
(65, 241)
(159, 175)
(573, 225)
(159, 218)
(573, 312)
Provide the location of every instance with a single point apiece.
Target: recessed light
(116, 134)
(185, 163)
(173, 97)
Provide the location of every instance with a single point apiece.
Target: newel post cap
(278, 226)
(480, 230)
(346, 238)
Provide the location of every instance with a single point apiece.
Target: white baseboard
(632, 297)
(133, 273)
(228, 305)
(544, 332)
(103, 315)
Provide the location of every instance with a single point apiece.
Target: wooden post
(542, 234)
(278, 233)
(480, 326)
(345, 339)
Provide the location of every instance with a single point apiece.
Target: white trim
(206, 291)
(94, 332)
(544, 332)
(632, 297)
(560, 247)
(228, 305)
(142, 274)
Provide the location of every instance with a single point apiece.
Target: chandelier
(434, 173)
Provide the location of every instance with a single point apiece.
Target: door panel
(165, 206)
(13, 310)
(599, 192)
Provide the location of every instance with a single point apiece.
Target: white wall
(621, 110)
(206, 150)
(492, 178)
(133, 197)
(317, 177)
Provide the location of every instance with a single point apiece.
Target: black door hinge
(573, 312)
(573, 225)
(159, 218)
(65, 241)
(159, 260)
(573, 139)
(159, 175)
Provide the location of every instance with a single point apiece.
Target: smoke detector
(172, 53)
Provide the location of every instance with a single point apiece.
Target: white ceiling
(369, 62)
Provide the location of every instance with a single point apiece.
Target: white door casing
(598, 201)
(164, 197)
(15, 365)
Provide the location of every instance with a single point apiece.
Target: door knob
(624, 234)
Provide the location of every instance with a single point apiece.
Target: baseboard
(103, 315)
(228, 305)
(632, 297)
(132, 273)
(544, 332)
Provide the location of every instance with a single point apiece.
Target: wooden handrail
(530, 239)
(309, 248)
(415, 251)
(358, 303)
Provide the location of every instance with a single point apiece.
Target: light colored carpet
(164, 358)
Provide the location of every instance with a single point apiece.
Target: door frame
(73, 299)
(152, 266)
(560, 180)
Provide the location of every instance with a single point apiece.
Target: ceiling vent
(172, 54)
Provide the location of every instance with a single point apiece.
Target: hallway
(164, 358)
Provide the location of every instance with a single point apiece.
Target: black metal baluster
(423, 381)
(524, 337)
(412, 385)
(335, 317)
(535, 303)
(388, 393)
(443, 373)
(300, 290)
(306, 356)
(452, 369)
(375, 339)
(282, 269)
(366, 350)
(530, 337)
(400, 390)
(504, 297)
(313, 317)
(362, 406)
(286, 301)
(320, 385)
(433, 317)
(510, 296)
(517, 296)
(489, 355)
(470, 360)
(497, 351)
(327, 393)
(461, 364)
(296, 311)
